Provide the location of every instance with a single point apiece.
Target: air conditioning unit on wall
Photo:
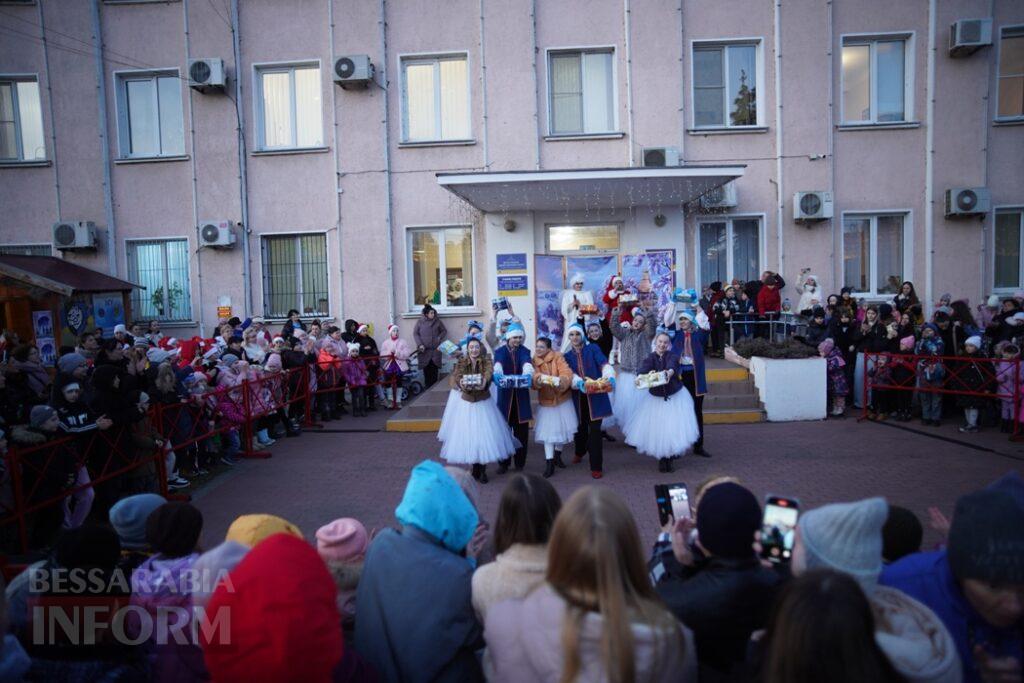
(812, 206)
(353, 71)
(206, 75)
(723, 197)
(69, 235)
(967, 201)
(967, 36)
(658, 157)
(216, 234)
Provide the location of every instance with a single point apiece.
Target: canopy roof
(60, 276)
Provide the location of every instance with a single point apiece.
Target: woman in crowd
(472, 431)
(556, 419)
(30, 374)
(906, 298)
(597, 616)
(253, 348)
(634, 346)
(293, 323)
(428, 334)
(873, 339)
(810, 293)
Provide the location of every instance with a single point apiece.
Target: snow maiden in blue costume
(690, 335)
(514, 404)
(587, 361)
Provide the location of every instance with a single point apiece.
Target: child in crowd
(903, 377)
(835, 366)
(342, 545)
(745, 312)
(395, 353)
(975, 376)
(930, 374)
(354, 372)
(882, 400)
(1010, 382)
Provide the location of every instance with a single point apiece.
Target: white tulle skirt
(555, 424)
(474, 433)
(660, 428)
(626, 398)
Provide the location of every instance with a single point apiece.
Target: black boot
(503, 465)
(607, 437)
(558, 460)
(661, 464)
(668, 465)
(483, 474)
(549, 468)
(475, 471)
(291, 428)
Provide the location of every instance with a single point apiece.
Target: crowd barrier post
(19, 497)
(1015, 434)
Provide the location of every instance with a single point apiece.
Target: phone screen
(673, 499)
(778, 528)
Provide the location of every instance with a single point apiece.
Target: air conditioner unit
(723, 197)
(967, 36)
(657, 157)
(967, 201)
(69, 235)
(216, 234)
(812, 206)
(353, 71)
(205, 75)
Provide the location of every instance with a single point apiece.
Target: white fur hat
(352, 347)
(578, 277)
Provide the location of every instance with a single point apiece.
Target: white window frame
(728, 219)
(619, 226)
(909, 74)
(263, 276)
(1014, 30)
(548, 53)
(435, 58)
(410, 294)
(28, 245)
(128, 252)
(121, 79)
(996, 210)
(758, 43)
(257, 102)
(22, 78)
(908, 255)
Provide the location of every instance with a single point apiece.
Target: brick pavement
(318, 477)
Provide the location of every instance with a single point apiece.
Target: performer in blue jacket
(513, 359)
(587, 361)
(691, 333)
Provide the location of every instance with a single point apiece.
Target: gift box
(515, 382)
(473, 381)
(627, 298)
(588, 309)
(500, 302)
(548, 380)
(651, 379)
(448, 347)
(597, 386)
(684, 296)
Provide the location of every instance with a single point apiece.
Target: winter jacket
(524, 644)
(513, 362)
(928, 579)
(875, 339)
(913, 638)
(400, 349)
(816, 334)
(512, 575)
(465, 366)
(429, 334)
(668, 361)
(590, 363)
(768, 300)
(634, 345)
(49, 462)
(976, 376)
(353, 371)
(810, 295)
(553, 364)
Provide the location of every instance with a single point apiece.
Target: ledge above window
(727, 130)
(615, 135)
(15, 163)
(295, 150)
(444, 313)
(1019, 121)
(879, 126)
(150, 160)
(438, 143)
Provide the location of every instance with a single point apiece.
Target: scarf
(35, 375)
(688, 346)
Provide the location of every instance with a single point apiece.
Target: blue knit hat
(846, 537)
(128, 517)
(434, 503)
(515, 330)
(70, 362)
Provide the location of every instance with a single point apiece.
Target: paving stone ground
(321, 476)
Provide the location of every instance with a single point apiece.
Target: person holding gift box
(573, 299)
(634, 340)
(472, 430)
(663, 425)
(514, 403)
(556, 417)
(691, 334)
(587, 361)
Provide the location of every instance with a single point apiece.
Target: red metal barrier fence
(993, 379)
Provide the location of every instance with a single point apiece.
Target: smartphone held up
(673, 501)
(778, 528)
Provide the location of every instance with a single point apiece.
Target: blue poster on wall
(550, 280)
(596, 271)
(108, 310)
(660, 266)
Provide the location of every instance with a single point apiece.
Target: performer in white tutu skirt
(556, 417)
(634, 346)
(664, 423)
(473, 432)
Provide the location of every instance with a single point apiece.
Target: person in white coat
(810, 293)
(572, 299)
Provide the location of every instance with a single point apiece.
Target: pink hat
(907, 343)
(343, 540)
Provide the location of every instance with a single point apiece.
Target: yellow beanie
(249, 530)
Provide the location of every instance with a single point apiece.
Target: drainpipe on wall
(387, 162)
(984, 171)
(929, 165)
(337, 174)
(192, 164)
(101, 101)
(243, 170)
(49, 101)
(837, 273)
(627, 24)
(682, 135)
(536, 84)
(483, 86)
(780, 197)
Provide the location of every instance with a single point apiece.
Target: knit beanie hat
(846, 537)
(212, 565)
(727, 518)
(901, 534)
(173, 529)
(128, 517)
(70, 362)
(516, 330)
(120, 328)
(157, 355)
(884, 311)
(229, 359)
(826, 346)
(986, 539)
(285, 624)
(973, 340)
(40, 414)
(993, 301)
(434, 503)
(343, 540)
(249, 530)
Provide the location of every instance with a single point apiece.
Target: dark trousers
(520, 430)
(588, 436)
(690, 382)
(430, 374)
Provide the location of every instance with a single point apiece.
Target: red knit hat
(284, 620)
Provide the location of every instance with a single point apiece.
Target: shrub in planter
(790, 348)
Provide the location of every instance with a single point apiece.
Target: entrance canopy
(59, 276)
(604, 188)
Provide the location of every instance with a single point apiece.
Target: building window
(567, 239)
(25, 250)
(289, 114)
(1008, 266)
(435, 99)
(441, 267)
(161, 266)
(876, 80)
(873, 253)
(581, 89)
(21, 120)
(295, 275)
(149, 115)
(730, 249)
(1011, 73)
(725, 85)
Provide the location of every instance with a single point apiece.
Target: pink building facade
(330, 198)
